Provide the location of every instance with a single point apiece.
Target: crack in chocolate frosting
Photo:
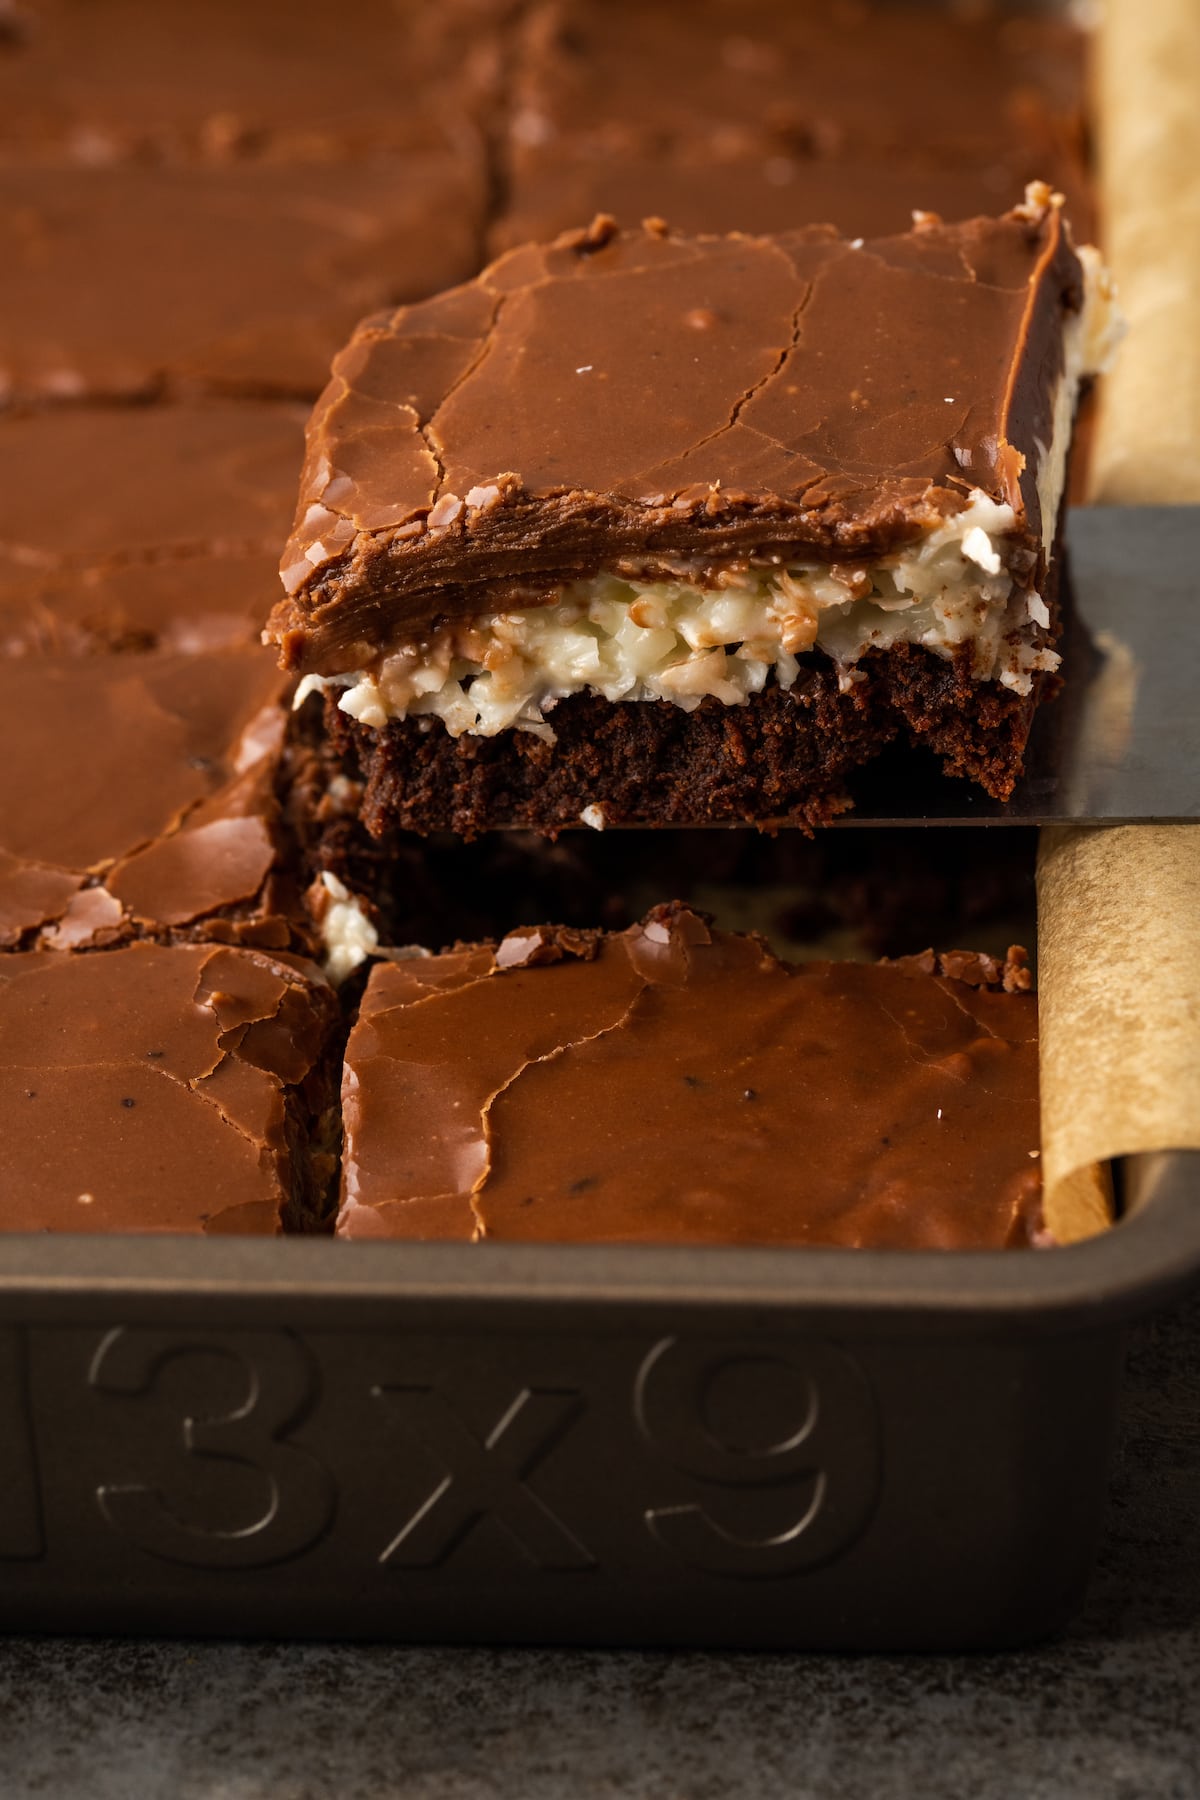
(678, 1084)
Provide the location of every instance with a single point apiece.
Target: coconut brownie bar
(137, 799)
(745, 1100)
(131, 527)
(104, 81)
(758, 115)
(878, 76)
(639, 527)
(190, 603)
(165, 1088)
(87, 488)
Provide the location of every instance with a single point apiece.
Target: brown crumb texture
(781, 758)
(884, 893)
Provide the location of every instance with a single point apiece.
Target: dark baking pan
(800, 1448)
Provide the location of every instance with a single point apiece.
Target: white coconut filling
(346, 932)
(674, 640)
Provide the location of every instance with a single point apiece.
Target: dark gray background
(1111, 1712)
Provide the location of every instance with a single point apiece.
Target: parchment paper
(1119, 907)
(1147, 446)
(1119, 1000)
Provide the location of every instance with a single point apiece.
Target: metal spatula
(1121, 743)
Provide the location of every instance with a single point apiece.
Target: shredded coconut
(673, 640)
(347, 933)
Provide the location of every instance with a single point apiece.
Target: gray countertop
(1111, 1712)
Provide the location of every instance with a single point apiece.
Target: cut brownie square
(93, 487)
(885, 76)
(647, 528)
(765, 116)
(679, 1084)
(137, 799)
(248, 279)
(99, 81)
(165, 1088)
(133, 527)
(189, 603)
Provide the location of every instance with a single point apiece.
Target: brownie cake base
(894, 891)
(782, 758)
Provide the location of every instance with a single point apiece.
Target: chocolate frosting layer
(844, 77)
(248, 279)
(95, 81)
(679, 1084)
(621, 395)
(763, 116)
(162, 1089)
(137, 797)
(89, 486)
(190, 603)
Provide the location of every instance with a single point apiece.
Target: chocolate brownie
(247, 278)
(873, 893)
(94, 487)
(647, 528)
(142, 526)
(165, 1088)
(679, 1084)
(962, 84)
(763, 116)
(100, 81)
(190, 603)
(137, 799)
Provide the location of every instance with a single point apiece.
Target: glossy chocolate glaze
(623, 395)
(823, 78)
(162, 1088)
(143, 526)
(87, 487)
(99, 81)
(188, 603)
(767, 114)
(248, 278)
(137, 798)
(679, 1084)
